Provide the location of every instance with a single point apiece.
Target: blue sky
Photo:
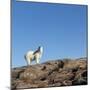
(59, 28)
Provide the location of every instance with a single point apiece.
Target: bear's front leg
(37, 61)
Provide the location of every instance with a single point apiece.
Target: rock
(56, 73)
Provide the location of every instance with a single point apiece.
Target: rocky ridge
(55, 73)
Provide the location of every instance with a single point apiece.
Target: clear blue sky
(59, 28)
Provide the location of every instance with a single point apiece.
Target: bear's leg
(37, 60)
(28, 62)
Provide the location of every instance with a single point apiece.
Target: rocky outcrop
(56, 73)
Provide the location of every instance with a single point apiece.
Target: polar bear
(34, 55)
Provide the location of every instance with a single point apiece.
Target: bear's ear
(41, 49)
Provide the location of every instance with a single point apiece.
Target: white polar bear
(34, 55)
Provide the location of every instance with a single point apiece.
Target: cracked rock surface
(56, 73)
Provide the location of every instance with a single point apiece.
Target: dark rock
(56, 73)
